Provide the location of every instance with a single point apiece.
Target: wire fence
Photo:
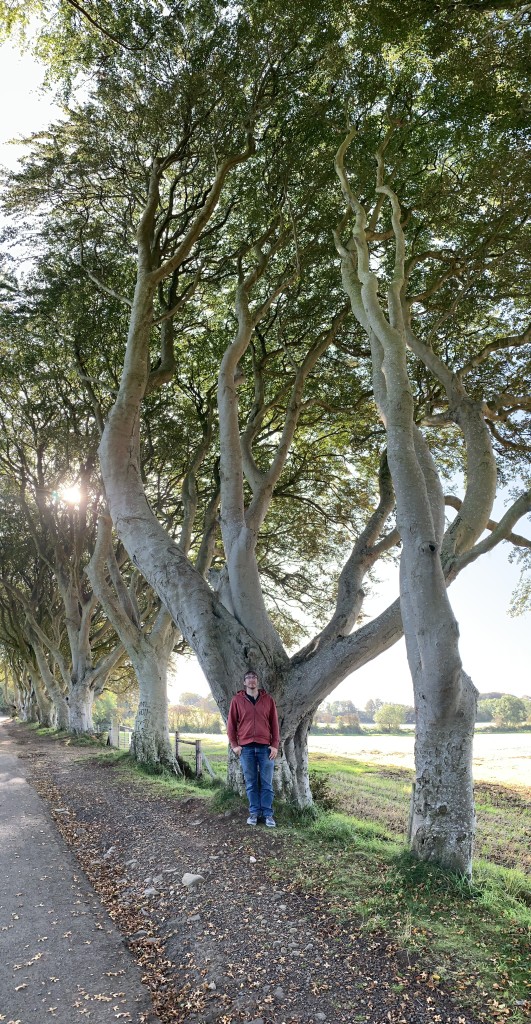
(119, 736)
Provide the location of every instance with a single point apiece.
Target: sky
(24, 108)
(495, 648)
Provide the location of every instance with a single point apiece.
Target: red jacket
(253, 723)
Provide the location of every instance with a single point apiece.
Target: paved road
(61, 957)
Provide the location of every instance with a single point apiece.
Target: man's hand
(237, 751)
(273, 751)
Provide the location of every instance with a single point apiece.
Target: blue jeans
(258, 774)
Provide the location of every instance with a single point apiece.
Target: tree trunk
(28, 706)
(443, 819)
(62, 712)
(149, 654)
(235, 779)
(80, 704)
(45, 707)
(292, 781)
(18, 698)
(150, 742)
(59, 701)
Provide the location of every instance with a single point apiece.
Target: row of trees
(346, 717)
(227, 392)
(343, 717)
(503, 709)
(195, 713)
(330, 711)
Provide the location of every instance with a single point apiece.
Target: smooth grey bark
(45, 706)
(80, 704)
(150, 742)
(235, 779)
(86, 679)
(292, 778)
(85, 689)
(56, 692)
(149, 647)
(443, 821)
(25, 699)
(443, 818)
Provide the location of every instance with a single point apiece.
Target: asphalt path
(61, 957)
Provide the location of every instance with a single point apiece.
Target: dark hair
(250, 672)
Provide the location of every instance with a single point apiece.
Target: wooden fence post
(176, 745)
(198, 759)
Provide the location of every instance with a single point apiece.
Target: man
(253, 734)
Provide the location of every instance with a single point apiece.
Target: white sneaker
(252, 819)
(271, 823)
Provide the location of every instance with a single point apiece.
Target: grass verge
(382, 794)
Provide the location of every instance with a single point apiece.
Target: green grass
(216, 751)
(379, 796)
(473, 936)
(382, 794)
(161, 780)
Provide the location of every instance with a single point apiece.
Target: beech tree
(149, 642)
(443, 817)
(30, 607)
(32, 698)
(509, 710)
(246, 634)
(50, 485)
(223, 166)
(38, 676)
(406, 276)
